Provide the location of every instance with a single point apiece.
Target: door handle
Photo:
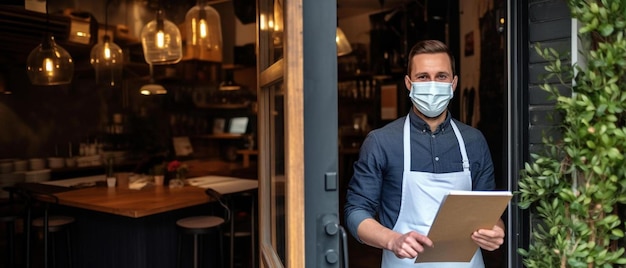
(344, 246)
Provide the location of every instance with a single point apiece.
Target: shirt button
(432, 136)
(437, 158)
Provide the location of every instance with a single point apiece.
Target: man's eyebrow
(427, 74)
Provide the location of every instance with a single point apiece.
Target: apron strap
(406, 139)
(457, 133)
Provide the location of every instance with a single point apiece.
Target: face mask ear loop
(454, 81)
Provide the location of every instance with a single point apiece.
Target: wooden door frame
(290, 70)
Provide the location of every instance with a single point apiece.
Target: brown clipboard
(460, 214)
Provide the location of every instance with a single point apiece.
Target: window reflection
(277, 127)
(271, 27)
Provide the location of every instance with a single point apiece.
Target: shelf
(231, 106)
(224, 136)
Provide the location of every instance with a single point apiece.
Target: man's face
(431, 67)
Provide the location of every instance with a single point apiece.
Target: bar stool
(49, 225)
(242, 205)
(11, 210)
(200, 225)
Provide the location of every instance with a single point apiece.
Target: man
(405, 168)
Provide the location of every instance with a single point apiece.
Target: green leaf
(617, 232)
(606, 29)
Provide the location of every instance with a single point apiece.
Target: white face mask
(431, 98)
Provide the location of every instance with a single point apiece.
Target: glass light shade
(49, 64)
(107, 59)
(152, 89)
(161, 41)
(343, 45)
(203, 33)
(277, 23)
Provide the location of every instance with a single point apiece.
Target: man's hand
(409, 245)
(489, 239)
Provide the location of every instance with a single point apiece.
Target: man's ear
(407, 82)
(455, 82)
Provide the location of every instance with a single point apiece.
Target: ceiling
(345, 8)
(349, 8)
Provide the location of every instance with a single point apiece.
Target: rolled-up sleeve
(364, 189)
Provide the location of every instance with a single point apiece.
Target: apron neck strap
(406, 139)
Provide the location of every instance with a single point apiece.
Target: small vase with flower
(178, 171)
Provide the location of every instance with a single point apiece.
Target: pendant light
(152, 88)
(203, 33)
(49, 64)
(107, 57)
(161, 41)
(343, 45)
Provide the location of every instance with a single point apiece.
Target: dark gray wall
(549, 27)
(531, 112)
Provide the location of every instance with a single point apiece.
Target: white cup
(158, 180)
(111, 181)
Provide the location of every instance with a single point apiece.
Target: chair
(11, 210)
(48, 224)
(242, 225)
(200, 225)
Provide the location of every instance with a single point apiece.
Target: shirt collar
(421, 125)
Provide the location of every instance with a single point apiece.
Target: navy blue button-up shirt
(376, 185)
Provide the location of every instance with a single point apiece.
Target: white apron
(422, 193)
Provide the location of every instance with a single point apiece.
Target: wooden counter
(133, 203)
(128, 228)
(152, 199)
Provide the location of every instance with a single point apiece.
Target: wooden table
(150, 199)
(122, 227)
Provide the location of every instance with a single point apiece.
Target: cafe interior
(92, 90)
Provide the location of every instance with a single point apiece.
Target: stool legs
(27, 238)
(45, 239)
(69, 248)
(50, 251)
(196, 246)
(68, 241)
(49, 241)
(197, 249)
(179, 252)
(11, 243)
(221, 235)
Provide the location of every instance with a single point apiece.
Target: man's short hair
(429, 47)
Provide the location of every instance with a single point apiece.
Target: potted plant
(576, 190)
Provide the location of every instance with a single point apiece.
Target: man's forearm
(376, 235)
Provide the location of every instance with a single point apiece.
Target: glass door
(298, 198)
